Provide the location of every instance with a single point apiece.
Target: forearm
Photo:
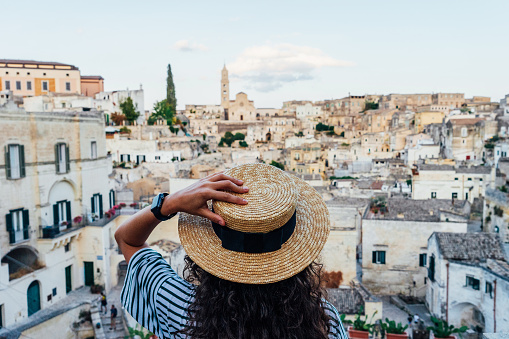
(136, 230)
(133, 233)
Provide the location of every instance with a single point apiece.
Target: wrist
(169, 205)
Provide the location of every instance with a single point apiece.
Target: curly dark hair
(292, 308)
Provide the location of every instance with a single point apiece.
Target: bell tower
(225, 90)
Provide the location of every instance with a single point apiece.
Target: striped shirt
(158, 298)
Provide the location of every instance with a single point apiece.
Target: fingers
(206, 213)
(227, 185)
(227, 197)
(221, 176)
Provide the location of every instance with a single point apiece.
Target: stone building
(430, 181)
(241, 109)
(55, 234)
(468, 276)
(394, 241)
(109, 102)
(33, 78)
(496, 213)
(427, 117)
(463, 139)
(452, 100)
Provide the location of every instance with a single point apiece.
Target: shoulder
(336, 326)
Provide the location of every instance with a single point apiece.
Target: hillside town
(415, 183)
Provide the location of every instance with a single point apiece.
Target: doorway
(89, 273)
(68, 279)
(33, 298)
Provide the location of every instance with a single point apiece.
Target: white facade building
(109, 102)
(431, 181)
(468, 281)
(54, 233)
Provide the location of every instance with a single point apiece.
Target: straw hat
(281, 209)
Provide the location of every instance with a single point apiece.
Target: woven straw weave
(311, 230)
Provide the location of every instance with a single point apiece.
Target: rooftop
(14, 63)
(421, 210)
(470, 247)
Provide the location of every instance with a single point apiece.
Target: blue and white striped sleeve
(154, 294)
(337, 331)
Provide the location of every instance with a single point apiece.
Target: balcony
(55, 231)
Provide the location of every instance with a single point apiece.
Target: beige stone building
(463, 139)
(394, 242)
(452, 100)
(424, 118)
(33, 78)
(55, 235)
(241, 109)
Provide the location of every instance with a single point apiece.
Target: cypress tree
(171, 99)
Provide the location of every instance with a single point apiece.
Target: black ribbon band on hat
(255, 242)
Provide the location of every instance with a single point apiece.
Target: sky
(274, 50)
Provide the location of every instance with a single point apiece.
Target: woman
(251, 270)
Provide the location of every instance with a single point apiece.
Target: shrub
(278, 165)
(442, 329)
(391, 327)
(243, 144)
(125, 130)
(133, 205)
(122, 204)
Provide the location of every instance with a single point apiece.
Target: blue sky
(275, 50)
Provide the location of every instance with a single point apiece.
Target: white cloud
(269, 67)
(187, 46)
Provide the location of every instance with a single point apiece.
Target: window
(125, 157)
(466, 196)
(45, 86)
(455, 195)
(456, 179)
(464, 132)
(18, 85)
(68, 86)
(472, 282)
(67, 247)
(158, 157)
(469, 179)
(93, 150)
(140, 159)
(431, 268)
(62, 213)
(112, 198)
(62, 158)
(433, 195)
(378, 257)
(1, 316)
(17, 222)
(29, 85)
(7, 85)
(422, 259)
(489, 289)
(97, 205)
(54, 292)
(15, 161)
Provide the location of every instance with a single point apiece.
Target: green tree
(239, 136)
(170, 91)
(242, 143)
(278, 165)
(162, 110)
(129, 110)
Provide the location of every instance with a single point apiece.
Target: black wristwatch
(157, 203)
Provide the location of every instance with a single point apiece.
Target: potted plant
(393, 330)
(361, 326)
(441, 329)
(77, 219)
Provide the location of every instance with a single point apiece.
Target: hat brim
(311, 231)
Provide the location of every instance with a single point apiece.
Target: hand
(193, 199)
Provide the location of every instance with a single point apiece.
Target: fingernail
(244, 200)
(221, 222)
(246, 188)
